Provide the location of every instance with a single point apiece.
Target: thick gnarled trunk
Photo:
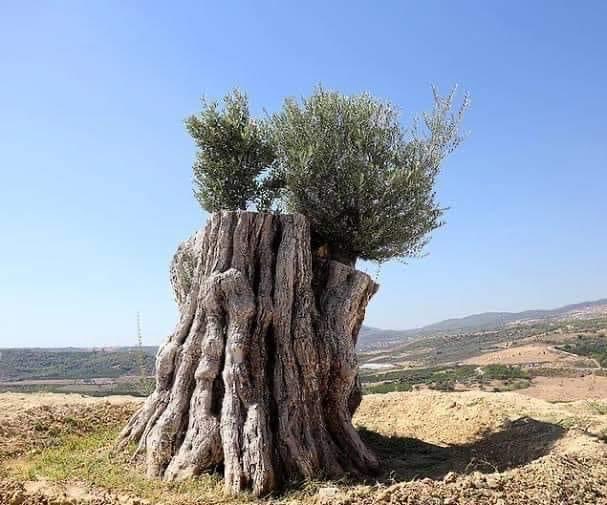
(260, 375)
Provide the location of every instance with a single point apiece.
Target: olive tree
(260, 377)
(233, 152)
(365, 183)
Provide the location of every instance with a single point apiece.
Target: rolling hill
(86, 363)
(375, 338)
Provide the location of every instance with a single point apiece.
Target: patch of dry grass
(91, 459)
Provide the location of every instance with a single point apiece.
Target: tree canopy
(233, 151)
(365, 183)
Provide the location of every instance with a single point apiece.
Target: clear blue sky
(95, 190)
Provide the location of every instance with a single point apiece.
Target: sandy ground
(457, 418)
(565, 389)
(432, 416)
(524, 355)
(12, 404)
(436, 448)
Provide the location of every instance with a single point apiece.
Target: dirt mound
(484, 448)
(457, 418)
(550, 481)
(435, 448)
(31, 423)
(563, 389)
(50, 493)
(13, 404)
(37, 421)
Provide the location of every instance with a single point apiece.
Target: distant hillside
(70, 363)
(374, 338)
(495, 320)
(112, 362)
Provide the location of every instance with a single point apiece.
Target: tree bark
(260, 374)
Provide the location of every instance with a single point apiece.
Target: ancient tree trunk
(260, 375)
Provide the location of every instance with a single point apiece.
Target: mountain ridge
(371, 337)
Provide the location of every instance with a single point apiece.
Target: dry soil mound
(436, 448)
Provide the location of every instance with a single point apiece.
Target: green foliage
(92, 458)
(598, 407)
(365, 184)
(28, 364)
(512, 385)
(503, 372)
(590, 346)
(552, 372)
(439, 378)
(389, 387)
(443, 385)
(141, 388)
(233, 152)
(446, 378)
(426, 375)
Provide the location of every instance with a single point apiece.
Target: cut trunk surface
(260, 376)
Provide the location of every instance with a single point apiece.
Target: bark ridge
(260, 375)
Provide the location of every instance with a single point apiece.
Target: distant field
(590, 346)
(553, 360)
(93, 372)
(28, 364)
(536, 354)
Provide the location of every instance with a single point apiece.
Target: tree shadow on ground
(519, 443)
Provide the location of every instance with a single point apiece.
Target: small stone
(493, 481)
(327, 492)
(450, 477)
(478, 480)
(17, 499)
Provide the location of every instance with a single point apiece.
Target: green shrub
(504, 372)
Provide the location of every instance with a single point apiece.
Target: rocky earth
(435, 448)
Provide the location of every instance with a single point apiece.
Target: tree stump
(260, 375)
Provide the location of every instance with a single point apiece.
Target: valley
(557, 360)
(556, 355)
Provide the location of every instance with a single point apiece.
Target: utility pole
(139, 336)
(141, 355)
